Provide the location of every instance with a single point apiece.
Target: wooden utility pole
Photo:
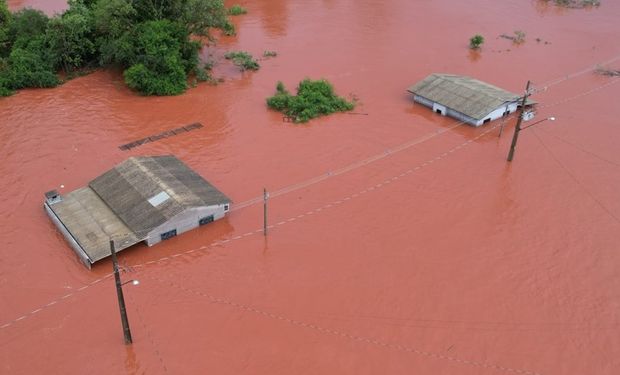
(265, 197)
(119, 293)
(515, 136)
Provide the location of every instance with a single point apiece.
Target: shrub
(30, 67)
(147, 81)
(270, 54)
(476, 41)
(313, 99)
(243, 60)
(237, 10)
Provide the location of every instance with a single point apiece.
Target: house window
(168, 235)
(226, 207)
(486, 120)
(205, 220)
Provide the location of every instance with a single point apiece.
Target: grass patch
(313, 99)
(270, 54)
(243, 60)
(236, 10)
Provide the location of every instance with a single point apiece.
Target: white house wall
(186, 220)
(497, 113)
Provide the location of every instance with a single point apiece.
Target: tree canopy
(151, 40)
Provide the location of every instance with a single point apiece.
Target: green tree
(113, 23)
(25, 25)
(70, 38)
(5, 19)
(157, 66)
(197, 15)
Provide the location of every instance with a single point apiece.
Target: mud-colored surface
(437, 257)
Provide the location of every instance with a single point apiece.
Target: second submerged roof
(467, 95)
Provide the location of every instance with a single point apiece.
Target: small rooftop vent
(52, 197)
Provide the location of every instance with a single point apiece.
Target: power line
(584, 93)
(545, 86)
(572, 176)
(338, 333)
(580, 148)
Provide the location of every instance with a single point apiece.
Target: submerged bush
(476, 41)
(243, 60)
(313, 99)
(270, 54)
(237, 10)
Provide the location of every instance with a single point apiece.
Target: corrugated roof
(92, 224)
(127, 188)
(467, 95)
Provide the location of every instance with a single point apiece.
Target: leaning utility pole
(121, 299)
(515, 136)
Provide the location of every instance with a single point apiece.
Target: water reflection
(474, 55)
(132, 365)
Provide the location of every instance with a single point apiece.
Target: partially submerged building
(464, 98)
(146, 199)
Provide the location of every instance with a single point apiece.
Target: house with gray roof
(146, 199)
(464, 98)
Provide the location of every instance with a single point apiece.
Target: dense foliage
(151, 40)
(313, 99)
(243, 60)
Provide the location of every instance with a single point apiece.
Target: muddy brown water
(436, 257)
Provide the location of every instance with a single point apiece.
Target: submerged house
(148, 199)
(464, 98)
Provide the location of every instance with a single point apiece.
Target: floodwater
(399, 242)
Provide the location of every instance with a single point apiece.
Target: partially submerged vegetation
(151, 41)
(243, 60)
(270, 54)
(576, 3)
(476, 41)
(517, 37)
(236, 10)
(607, 71)
(314, 98)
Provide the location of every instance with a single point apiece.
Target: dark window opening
(205, 220)
(226, 208)
(486, 120)
(439, 111)
(168, 235)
